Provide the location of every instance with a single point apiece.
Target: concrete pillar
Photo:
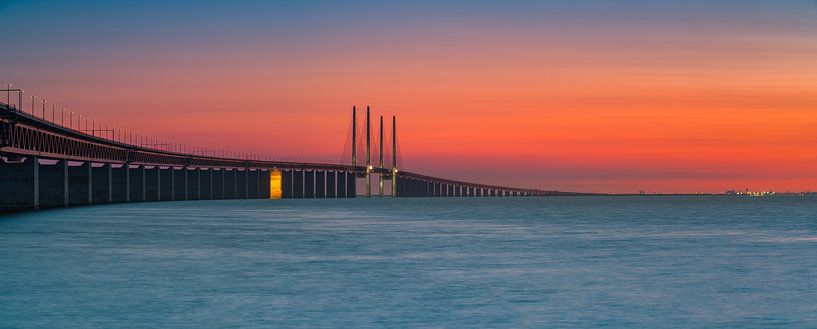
(253, 191)
(229, 183)
(241, 184)
(192, 183)
(264, 183)
(320, 184)
(20, 184)
(351, 185)
(286, 184)
(166, 191)
(205, 183)
(53, 184)
(136, 179)
(341, 184)
(119, 183)
(331, 184)
(298, 184)
(180, 183)
(219, 183)
(153, 184)
(309, 184)
(101, 186)
(80, 184)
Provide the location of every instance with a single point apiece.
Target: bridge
(48, 163)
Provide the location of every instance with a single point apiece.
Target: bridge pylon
(393, 156)
(368, 153)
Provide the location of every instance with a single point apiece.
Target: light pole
(44, 108)
(32, 105)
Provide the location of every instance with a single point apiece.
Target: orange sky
(658, 97)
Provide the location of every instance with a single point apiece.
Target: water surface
(489, 262)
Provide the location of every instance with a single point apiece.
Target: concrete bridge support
(286, 184)
(253, 184)
(342, 191)
(351, 185)
(179, 183)
(264, 183)
(320, 184)
(193, 176)
(230, 182)
(206, 183)
(331, 184)
(21, 184)
(53, 183)
(101, 187)
(153, 184)
(80, 182)
(219, 183)
(298, 184)
(241, 183)
(309, 184)
(166, 180)
(135, 177)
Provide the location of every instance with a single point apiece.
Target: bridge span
(45, 164)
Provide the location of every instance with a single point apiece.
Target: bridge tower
(394, 156)
(368, 153)
(380, 176)
(354, 136)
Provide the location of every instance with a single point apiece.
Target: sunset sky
(575, 95)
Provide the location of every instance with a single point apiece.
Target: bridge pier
(320, 184)
(298, 184)
(331, 184)
(286, 184)
(241, 183)
(192, 175)
(264, 183)
(80, 184)
(21, 184)
(179, 183)
(309, 184)
(342, 191)
(351, 185)
(166, 191)
(230, 182)
(152, 185)
(129, 183)
(206, 184)
(101, 185)
(219, 183)
(53, 184)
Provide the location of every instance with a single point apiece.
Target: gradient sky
(579, 95)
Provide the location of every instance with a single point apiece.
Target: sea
(552, 262)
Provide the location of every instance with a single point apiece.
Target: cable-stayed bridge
(66, 162)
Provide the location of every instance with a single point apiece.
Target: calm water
(549, 262)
